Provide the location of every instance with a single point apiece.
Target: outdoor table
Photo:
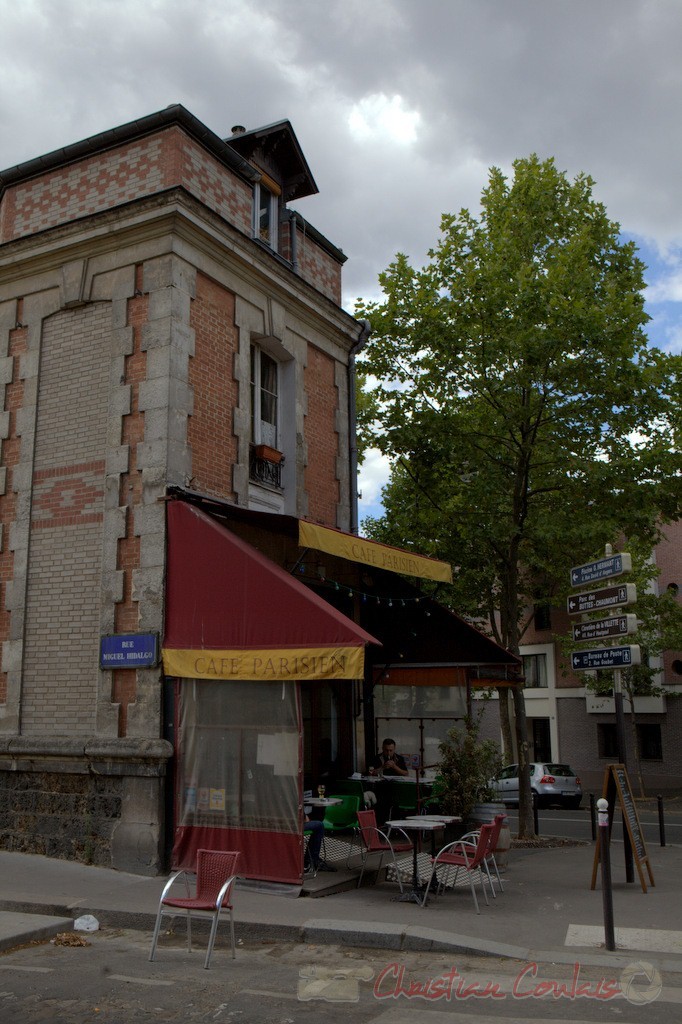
(415, 825)
(441, 819)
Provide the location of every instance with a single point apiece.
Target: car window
(509, 772)
(562, 770)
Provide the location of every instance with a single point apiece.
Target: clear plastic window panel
(416, 715)
(239, 755)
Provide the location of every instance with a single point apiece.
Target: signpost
(598, 629)
(601, 600)
(611, 658)
(606, 658)
(603, 569)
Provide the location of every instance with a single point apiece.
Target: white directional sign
(602, 600)
(603, 569)
(606, 657)
(600, 629)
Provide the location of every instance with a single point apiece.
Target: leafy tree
(526, 418)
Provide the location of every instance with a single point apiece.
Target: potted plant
(268, 453)
(465, 769)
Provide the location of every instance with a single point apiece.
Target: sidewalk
(547, 913)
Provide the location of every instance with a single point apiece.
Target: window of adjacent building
(535, 670)
(650, 744)
(264, 398)
(542, 616)
(607, 740)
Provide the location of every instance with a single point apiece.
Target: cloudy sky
(400, 106)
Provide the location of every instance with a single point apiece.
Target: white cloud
(379, 117)
(374, 473)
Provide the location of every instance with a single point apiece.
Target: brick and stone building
(168, 325)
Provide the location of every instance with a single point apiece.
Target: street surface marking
(140, 981)
(34, 970)
(650, 940)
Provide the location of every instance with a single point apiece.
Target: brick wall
(211, 375)
(315, 266)
(321, 437)
(121, 175)
(64, 578)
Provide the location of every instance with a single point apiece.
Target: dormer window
(266, 211)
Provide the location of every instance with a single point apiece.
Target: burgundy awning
(231, 613)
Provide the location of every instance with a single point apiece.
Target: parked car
(553, 783)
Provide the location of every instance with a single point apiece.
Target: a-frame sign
(617, 786)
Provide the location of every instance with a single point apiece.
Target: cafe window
(535, 670)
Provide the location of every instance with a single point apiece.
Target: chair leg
(499, 880)
(397, 872)
(155, 936)
(211, 938)
(473, 892)
(362, 869)
(490, 879)
(482, 879)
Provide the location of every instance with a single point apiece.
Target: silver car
(553, 783)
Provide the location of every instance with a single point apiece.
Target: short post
(605, 858)
(593, 817)
(661, 820)
(536, 827)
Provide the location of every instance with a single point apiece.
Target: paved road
(577, 824)
(110, 980)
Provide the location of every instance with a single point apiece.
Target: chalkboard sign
(617, 787)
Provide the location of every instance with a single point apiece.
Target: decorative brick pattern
(122, 175)
(64, 577)
(321, 438)
(211, 375)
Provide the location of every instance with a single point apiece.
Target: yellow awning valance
(370, 552)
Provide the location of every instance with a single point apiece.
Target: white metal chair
(215, 877)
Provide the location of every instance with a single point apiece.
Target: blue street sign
(603, 569)
(606, 657)
(599, 629)
(129, 650)
(602, 600)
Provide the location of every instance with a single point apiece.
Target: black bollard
(593, 817)
(605, 858)
(661, 820)
(536, 827)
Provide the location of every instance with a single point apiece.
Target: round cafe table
(415, 825)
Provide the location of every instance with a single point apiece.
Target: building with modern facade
(569, 722)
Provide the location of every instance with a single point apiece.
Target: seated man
(388, 762)
(316, 831)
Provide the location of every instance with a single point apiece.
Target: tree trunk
(526, 820)
(505, 725)
(635, 743)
